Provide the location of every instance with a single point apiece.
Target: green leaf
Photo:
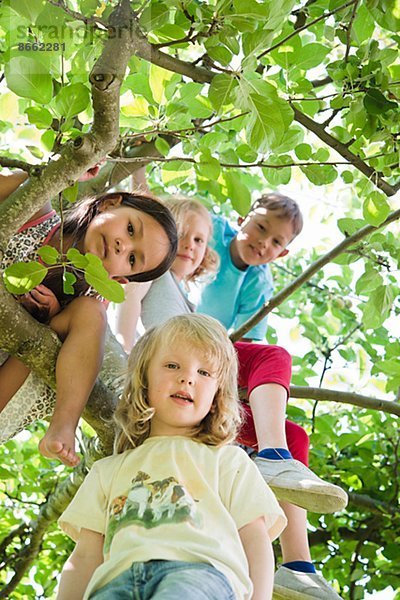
(376, 209)
(35, 151)
(71, 100)
(369, 281)
(363, 25)
(390, 367)
(220, 54)
(158, 78)
(48, 139)
(5, 474)
(320, 175)
(77, 259)
(21, 278)
(220, 91)
(349, 226)
(71, 193)
(162, 146)
(238, 193)
(154, 16)
(27, 77)
(310, 56)
(303, 151)
(29, 8)
(208, 166)
(199, 108)
(377, 309)
(98, 278)
(246, 154)
(138, 83)
(376, 103)
(321, 155)
(276, 177)
(49, 255)
(290, 140)
(347, 177)
(39, 116)
(68, 282)
(270, 120)
(176, 171)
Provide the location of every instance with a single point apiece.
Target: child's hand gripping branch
(171, 510)
(41, 303)
(135, 238)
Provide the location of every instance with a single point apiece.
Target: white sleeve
(246, 495)
(87, 509)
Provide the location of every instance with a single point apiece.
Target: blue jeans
(167, 580)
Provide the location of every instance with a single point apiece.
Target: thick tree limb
(325, 395)
(33, 343)
(287, 291)
(38, 346)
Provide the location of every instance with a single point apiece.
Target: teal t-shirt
(234, 296)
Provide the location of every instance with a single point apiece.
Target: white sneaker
(293, 585)
(292, 481)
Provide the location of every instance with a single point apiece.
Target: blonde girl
(170, 515)
(195, 262)
(135, 238)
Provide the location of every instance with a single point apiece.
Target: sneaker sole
(312, 501)
(282, 593)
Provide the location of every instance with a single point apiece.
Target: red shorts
(258, 365)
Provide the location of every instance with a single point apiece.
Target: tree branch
(259, 164)
(81, 154)
(13, 163)
(78, 16)
(343, 150)
(326, 395)
(348, 30)
(147, 51)
(306, 26)
(31, 533)
(33, 343)
(308, 273)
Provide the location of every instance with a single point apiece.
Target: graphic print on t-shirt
(149, 504)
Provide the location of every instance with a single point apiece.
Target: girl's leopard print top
(23, 246)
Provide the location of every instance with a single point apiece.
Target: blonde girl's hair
(133, 414)
(180, 207)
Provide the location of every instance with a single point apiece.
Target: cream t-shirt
(173, 498)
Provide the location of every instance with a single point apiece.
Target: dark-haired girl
(135, 237)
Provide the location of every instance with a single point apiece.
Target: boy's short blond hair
(286, 207)
(133, 414)
(180, 207)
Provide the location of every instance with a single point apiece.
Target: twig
(167, 132)
(79, 16)
(13, 163)
(342, 149)
(326, 395)
(258, 164)
(306, 26)
(348, 31)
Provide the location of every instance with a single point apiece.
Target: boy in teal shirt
(244, 281)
